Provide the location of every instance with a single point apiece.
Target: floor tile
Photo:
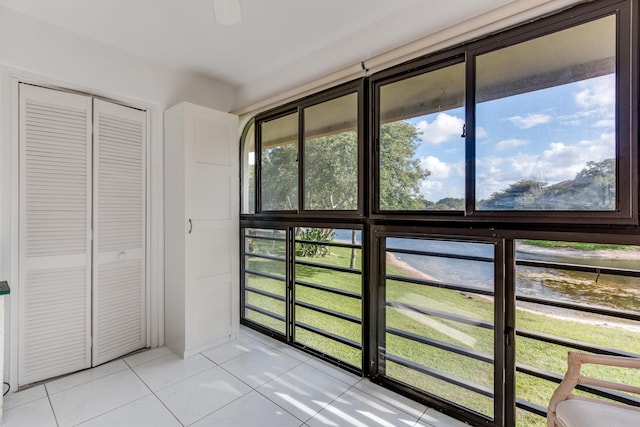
(35, 413)
(265, 339)
(12, 400)
(232, 349)
(335, 372)
(358, 409)
(147, 356)
(303, 391)
(85, 376)
(200, 395)
(250, 410)
(86, 401)
(394, 399)
(438, 419)
(290, 351)
(171, 369)
(260, 365)
(145, 412)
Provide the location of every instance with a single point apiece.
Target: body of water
(612, 291)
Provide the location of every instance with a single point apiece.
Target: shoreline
(407, 269)
(411, 271)
(618, 254)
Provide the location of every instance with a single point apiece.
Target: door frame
(10, 80)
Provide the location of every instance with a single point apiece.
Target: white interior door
(55, 240)
(119, 231)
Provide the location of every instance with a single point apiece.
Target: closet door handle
(190, 226)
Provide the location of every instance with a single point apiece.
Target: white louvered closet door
(119, 231)
(55, 239)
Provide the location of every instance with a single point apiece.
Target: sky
(547, 135)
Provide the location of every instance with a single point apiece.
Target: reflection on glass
(546, 122)
(421, 148)
(331, 155)
(279, 166)
(249, 170)
(435, 332)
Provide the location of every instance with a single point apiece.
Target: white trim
(9, 201)
(501, 18)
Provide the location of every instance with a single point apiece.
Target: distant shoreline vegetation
(578, 245)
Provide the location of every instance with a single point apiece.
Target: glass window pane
(279, 165)
(546, 122)
(574, 274)
(249, 170)
(422, 152)
(439, 319)
(264, 277)
(331, 155)
(328, 292)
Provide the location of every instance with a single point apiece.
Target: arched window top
(248, 168)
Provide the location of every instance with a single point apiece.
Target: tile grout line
(377, 398)
(153, 393)
(277, 404)
(255, 389)
(55, 417)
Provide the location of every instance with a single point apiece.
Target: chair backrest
(573, 377)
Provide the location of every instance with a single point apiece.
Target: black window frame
(299, 106)
(626, 210)
(507, 226)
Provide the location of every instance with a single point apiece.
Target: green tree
(331, 172)
(597, 182)
(400, 171)
(446, 204)
(524, 194)
(310, 234)
(279, 178)
(593, 188)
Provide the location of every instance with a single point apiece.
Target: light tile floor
(253, 381)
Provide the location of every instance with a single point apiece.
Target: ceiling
(278, 44)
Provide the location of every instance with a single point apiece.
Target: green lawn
(529, 352)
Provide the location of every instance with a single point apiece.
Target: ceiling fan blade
(227, 12)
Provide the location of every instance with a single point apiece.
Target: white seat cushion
(579, 413)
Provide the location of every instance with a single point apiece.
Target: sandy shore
(408, 270)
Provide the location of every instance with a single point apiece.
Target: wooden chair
(567, 409)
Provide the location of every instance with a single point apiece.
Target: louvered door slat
(119, 227)
(55, 221)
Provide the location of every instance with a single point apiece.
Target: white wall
(41, 53)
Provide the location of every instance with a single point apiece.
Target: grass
(529, 352)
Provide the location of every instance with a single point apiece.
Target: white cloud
(607, 123)
(598, 93)
(510, 143)
(558, 162)
(481, 133)
(437, 167)
(443, 128)
(530, 120)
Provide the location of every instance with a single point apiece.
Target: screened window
(265, 277)
(572, 296)
(331, 154)
(439, 319)
(391, 215)
(546, 122)
(279, 163)
(311, 154)
(421, 141)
